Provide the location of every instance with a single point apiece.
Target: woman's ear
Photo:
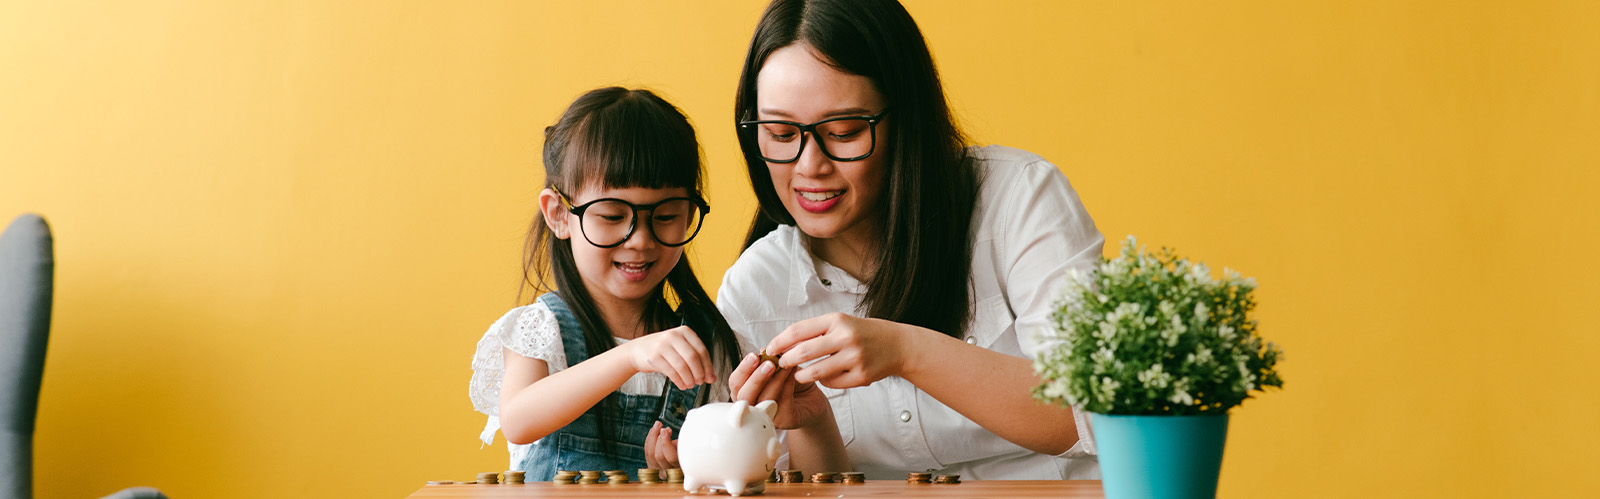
(555, 215)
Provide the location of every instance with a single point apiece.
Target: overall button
(826, 283)
(972, 341)
(905, 416)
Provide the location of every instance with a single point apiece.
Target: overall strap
(571, 332)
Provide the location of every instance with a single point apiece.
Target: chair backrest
(27, 269)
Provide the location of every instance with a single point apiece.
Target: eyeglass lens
(609, 223)
(843, 140)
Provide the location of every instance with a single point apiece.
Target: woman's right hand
(676, 353)
(799, 404)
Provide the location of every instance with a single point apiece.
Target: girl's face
(627, 273)
(828, 199)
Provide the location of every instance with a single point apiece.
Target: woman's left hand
(854, 351)
(660, 449)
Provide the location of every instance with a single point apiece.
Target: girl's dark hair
(924, 260)
(617, 138)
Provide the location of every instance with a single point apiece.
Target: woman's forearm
(818, 447)
(990, 388)
(556, 400)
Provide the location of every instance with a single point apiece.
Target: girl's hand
(660, 449)
(676, 352)
(799, 405)
(854, 351)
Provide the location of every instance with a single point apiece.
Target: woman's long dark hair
(616, 138)
(921, 272)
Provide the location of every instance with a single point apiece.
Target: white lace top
(532, 331)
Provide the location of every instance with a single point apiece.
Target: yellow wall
(282, 225)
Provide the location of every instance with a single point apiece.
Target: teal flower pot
(1160, 457)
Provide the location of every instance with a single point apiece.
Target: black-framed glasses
(609, 222)
(846, 138)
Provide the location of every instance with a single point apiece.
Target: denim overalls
(576, 446)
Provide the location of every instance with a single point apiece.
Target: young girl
(600, 368)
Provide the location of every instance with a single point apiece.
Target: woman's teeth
(820, 196)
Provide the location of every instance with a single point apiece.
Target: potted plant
(1157, 350)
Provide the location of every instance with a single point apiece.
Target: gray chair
(27, 269)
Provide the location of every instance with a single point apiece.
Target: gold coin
(763, 357)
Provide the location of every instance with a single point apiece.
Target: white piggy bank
(729, 446)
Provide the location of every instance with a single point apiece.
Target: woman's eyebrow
(852, 111)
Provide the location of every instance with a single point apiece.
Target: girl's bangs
(634, 143)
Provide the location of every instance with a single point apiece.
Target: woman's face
(828, 199)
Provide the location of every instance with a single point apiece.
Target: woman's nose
(812, 162)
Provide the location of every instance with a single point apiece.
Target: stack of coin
(616, 477)
(855, 477)
(793, 476)
(674, 475)
(565, 477)
(588, 477)
(490, 478)
(514, 476)
(649, 475)
(440, 482)
(951, 479)
(825, 477)
(919, 478)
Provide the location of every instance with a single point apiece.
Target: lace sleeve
(536, 335)
(530, 331)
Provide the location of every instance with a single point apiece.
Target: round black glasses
(846, 138)
(609, 222)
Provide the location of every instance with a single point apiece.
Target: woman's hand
(799, 404)
(676, 353)
(660, 449)
(853, 351)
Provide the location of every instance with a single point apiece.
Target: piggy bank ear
(770, 407)
(736, 414)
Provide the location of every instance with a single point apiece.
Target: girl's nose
(642, 237)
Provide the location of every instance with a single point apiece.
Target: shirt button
(972, 341)
(905, 416)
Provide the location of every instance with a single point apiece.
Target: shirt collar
(813, 277)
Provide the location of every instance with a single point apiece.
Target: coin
(763, 357)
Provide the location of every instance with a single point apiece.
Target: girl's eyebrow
(851, 111)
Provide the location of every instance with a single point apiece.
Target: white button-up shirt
(1029, 231)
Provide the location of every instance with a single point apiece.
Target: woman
(901, 274)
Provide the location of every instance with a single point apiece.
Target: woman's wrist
(915, 342)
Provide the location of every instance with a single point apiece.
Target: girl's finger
(665, 366)
(668, 449)
(650, 446)
(798, 332)
(702, 353)
(693, 360)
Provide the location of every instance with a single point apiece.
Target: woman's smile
(816, 200)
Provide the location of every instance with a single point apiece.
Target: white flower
(1180, 392)
(1154, 377)
(1202, 313)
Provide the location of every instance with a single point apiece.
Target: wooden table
(873, 488)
